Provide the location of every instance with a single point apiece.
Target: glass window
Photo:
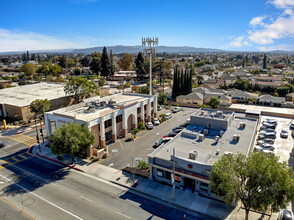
(204, 186)
(167, 175)
(159, 172)
(118, 118)
(209, 125)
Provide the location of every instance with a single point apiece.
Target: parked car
(149, 125)
(268, 125)
(268, 151)
(172, 134)
(155, 121)
(177, 128)
(266, 132)
(284, 133)
(292, 125)
(292, 133)
(260, 137)
(168, 116)
(2, 144)
(162, 141)
(185, 124)
(266, 140)
(286, 214)
(270, 135)
(159, 108)
(262, 128)
(176, 109)
(258, 148)
(268, 146)
(271, 121)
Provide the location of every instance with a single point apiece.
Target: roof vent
(205, 131)
(201, 137)
(242, 125)
(236, 137)
(193, 155)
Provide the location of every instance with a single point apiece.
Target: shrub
(141, 126)
(142, 165)
(202, 106)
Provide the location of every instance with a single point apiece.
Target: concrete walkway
(183, 198)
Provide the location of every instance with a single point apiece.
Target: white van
(168, 116)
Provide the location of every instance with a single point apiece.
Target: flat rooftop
(91, 108)
(23, 95)
(184, 142)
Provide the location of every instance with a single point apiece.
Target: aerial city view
(134, 109)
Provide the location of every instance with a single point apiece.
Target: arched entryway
(131, 122)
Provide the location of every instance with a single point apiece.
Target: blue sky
(250, 25)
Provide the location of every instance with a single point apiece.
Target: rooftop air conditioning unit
(236, 137)
(217, 138)
(219, 113)
(242, 125)
(193, 155)
(201, 137)
(102, 103)
(221, 132)
(205, 131)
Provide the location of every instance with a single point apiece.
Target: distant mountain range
(135, 49)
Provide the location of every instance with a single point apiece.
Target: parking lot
(122, 153)
(283, 146)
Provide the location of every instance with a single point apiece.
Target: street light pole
(150, 42)
(37, 137)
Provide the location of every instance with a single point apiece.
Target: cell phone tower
(150, 44)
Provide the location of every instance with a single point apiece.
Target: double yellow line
(15, 206)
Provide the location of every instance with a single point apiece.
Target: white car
(258, 148)
(155, 121)
(176, 109)
(149, 125)
(266, 141)
(284, 133)
(268, 147)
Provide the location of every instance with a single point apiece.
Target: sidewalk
(183, 198)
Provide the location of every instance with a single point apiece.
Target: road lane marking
(15, 206)
(123, 215)
(45, 200)
(120, 144)
(86, 199)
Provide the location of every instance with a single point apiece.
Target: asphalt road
(121, 152)
(47, 191)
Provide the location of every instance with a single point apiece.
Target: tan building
(15, 101)
(108, 117)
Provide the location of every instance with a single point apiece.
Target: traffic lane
(78, 194)
(126, 152)
(9, 212)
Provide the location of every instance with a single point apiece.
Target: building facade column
(149, 111)
(48, 125)
(142, 112)
(4, 111)
(102, 133)
(114, 133)
(124, 124)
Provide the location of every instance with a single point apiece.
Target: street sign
(138, 158)
(177, 178)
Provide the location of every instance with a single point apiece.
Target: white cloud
(257, 21)
(19, 40)
(238, 42)
(282, 27)
(282, 3)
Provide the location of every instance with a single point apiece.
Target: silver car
(268, 147)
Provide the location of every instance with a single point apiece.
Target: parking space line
(22, 156)
(13, 158)
(1, 167)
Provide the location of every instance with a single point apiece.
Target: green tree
(29, 69)
(259, 181)
(111, 63)
(105, 64)
(140, 66)
(214, 102)
(142, 165)
(49, 78)
(162, 98)
(40, 106)
(80, 88)
(77, 71)
(70, 62)
(134, 132)
(86, 60)
(72, 139)
(126, 62)
(95, 65)
(63, 61)
(264, 62)
(141, 126)
(54, 69)
(44, 69)
(282, 91)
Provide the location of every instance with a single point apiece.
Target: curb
(56, 161)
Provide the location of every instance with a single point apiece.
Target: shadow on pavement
(29, 172)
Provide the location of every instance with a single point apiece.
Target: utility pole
(150, 42)
(41, 130)
(37, 137)
(173, 178)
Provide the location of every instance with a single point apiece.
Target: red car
(170, 135)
